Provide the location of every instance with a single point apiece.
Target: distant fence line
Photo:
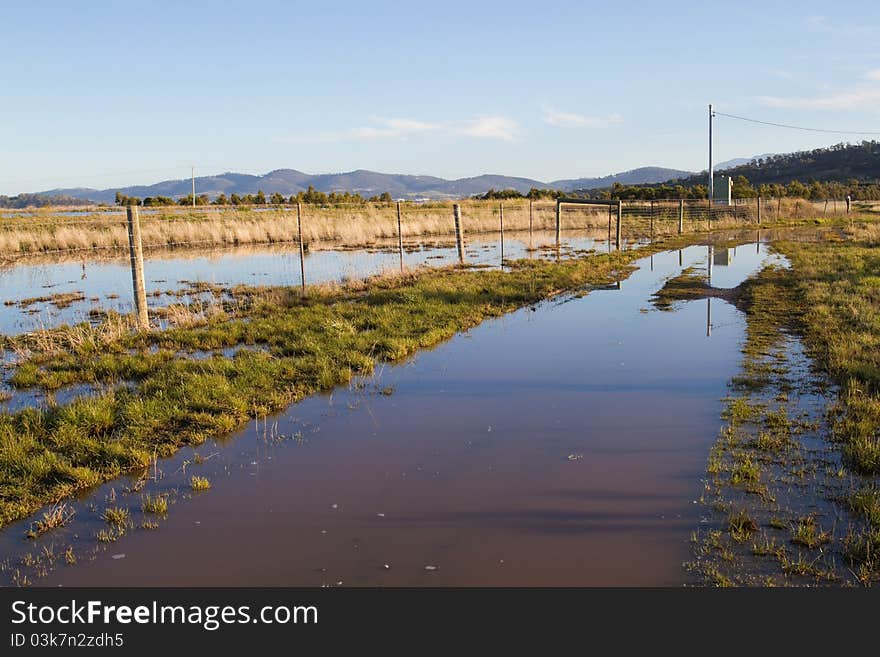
(365, 224)
(650, 218)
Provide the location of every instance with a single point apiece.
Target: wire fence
(339, 243)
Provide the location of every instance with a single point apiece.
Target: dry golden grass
(359, 225)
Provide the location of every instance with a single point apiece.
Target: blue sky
(102, 94)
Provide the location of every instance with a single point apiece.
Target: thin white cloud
(490, 127)
(873, 75)
(860, 97)
(573, 120)
(822, 24)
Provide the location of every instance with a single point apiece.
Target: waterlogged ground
(560, 445)
(44, 292)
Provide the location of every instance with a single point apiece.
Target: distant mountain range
(367, 183)
(841, 162)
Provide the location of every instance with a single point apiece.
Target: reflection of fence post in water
(680, 216)
(135, 249)
(456, 213)
(302, 251)
(399, 237)
(501, 220)
(619, 222)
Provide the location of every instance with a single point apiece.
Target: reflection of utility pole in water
(708, 317)
(680, 260)
(758, 242)
(652, 262)
(709, 299)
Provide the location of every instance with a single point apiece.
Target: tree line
(309, 196)
(533, 194)
(743, 188)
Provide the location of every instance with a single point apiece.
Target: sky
(106, 94)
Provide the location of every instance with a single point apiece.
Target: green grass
(156, 505)
(745, 470)
(865, 502)
(116, 517)
(199, 483)
(807, 534)
(56, 516)
(741, 526)
(829, 298)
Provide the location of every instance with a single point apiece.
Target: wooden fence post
(135, 250)
(759, 210)
(456, 213)
(680, 216)
(558, 220)
(619, 222)
(302, 251)
(530, 218)
(501, 210)
(399, 237)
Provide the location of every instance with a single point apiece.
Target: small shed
(723, 190)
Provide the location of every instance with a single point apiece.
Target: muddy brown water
(557, 446)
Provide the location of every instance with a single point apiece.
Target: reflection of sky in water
(635, 393)
(107, 284)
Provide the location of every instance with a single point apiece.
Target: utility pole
(194, 185)
(711, 171)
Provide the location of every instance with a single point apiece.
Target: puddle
(562, 446)
(105, 285)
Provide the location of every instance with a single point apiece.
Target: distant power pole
(711, 171)
(194, 182)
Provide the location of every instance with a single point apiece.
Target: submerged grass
(307, 345)
(829, 298)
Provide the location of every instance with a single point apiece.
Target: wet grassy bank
(792, 483)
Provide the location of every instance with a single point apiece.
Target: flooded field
(560, 445)
(46, 291)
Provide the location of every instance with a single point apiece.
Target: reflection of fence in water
(403, 246)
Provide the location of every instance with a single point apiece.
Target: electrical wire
(796, 127)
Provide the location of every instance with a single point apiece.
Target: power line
(797, 127)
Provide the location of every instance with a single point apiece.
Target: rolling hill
(367, 183)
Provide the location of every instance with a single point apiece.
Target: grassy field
(47, 231)
(795, 492)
